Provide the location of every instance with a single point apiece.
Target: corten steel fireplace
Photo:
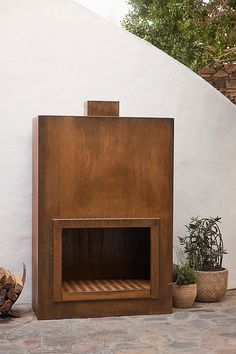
(102, 214)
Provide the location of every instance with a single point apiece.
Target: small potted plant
(204, 249)
(184, 285)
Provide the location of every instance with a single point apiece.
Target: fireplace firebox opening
(105, 259)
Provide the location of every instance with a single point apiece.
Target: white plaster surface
(54, 55)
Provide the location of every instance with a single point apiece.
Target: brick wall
(223, 78)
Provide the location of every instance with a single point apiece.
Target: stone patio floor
(205, 328)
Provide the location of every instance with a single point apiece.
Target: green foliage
(203, 245)
(183, 274)
(192, 31)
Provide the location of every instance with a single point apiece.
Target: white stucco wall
(54, 55)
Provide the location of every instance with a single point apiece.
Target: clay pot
(211, 286)
(184, 295)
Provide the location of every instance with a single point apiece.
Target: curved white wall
(55, 55)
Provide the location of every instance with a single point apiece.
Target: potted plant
(204, 249)
(184, 285)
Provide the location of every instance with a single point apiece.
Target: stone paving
(205, 328)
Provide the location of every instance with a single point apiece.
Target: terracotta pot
(211, 286)
(184, 295)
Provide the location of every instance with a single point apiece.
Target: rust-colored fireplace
(102, 214)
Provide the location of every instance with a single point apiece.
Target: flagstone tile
(205, 329)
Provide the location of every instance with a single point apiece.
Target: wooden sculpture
(11, 286)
